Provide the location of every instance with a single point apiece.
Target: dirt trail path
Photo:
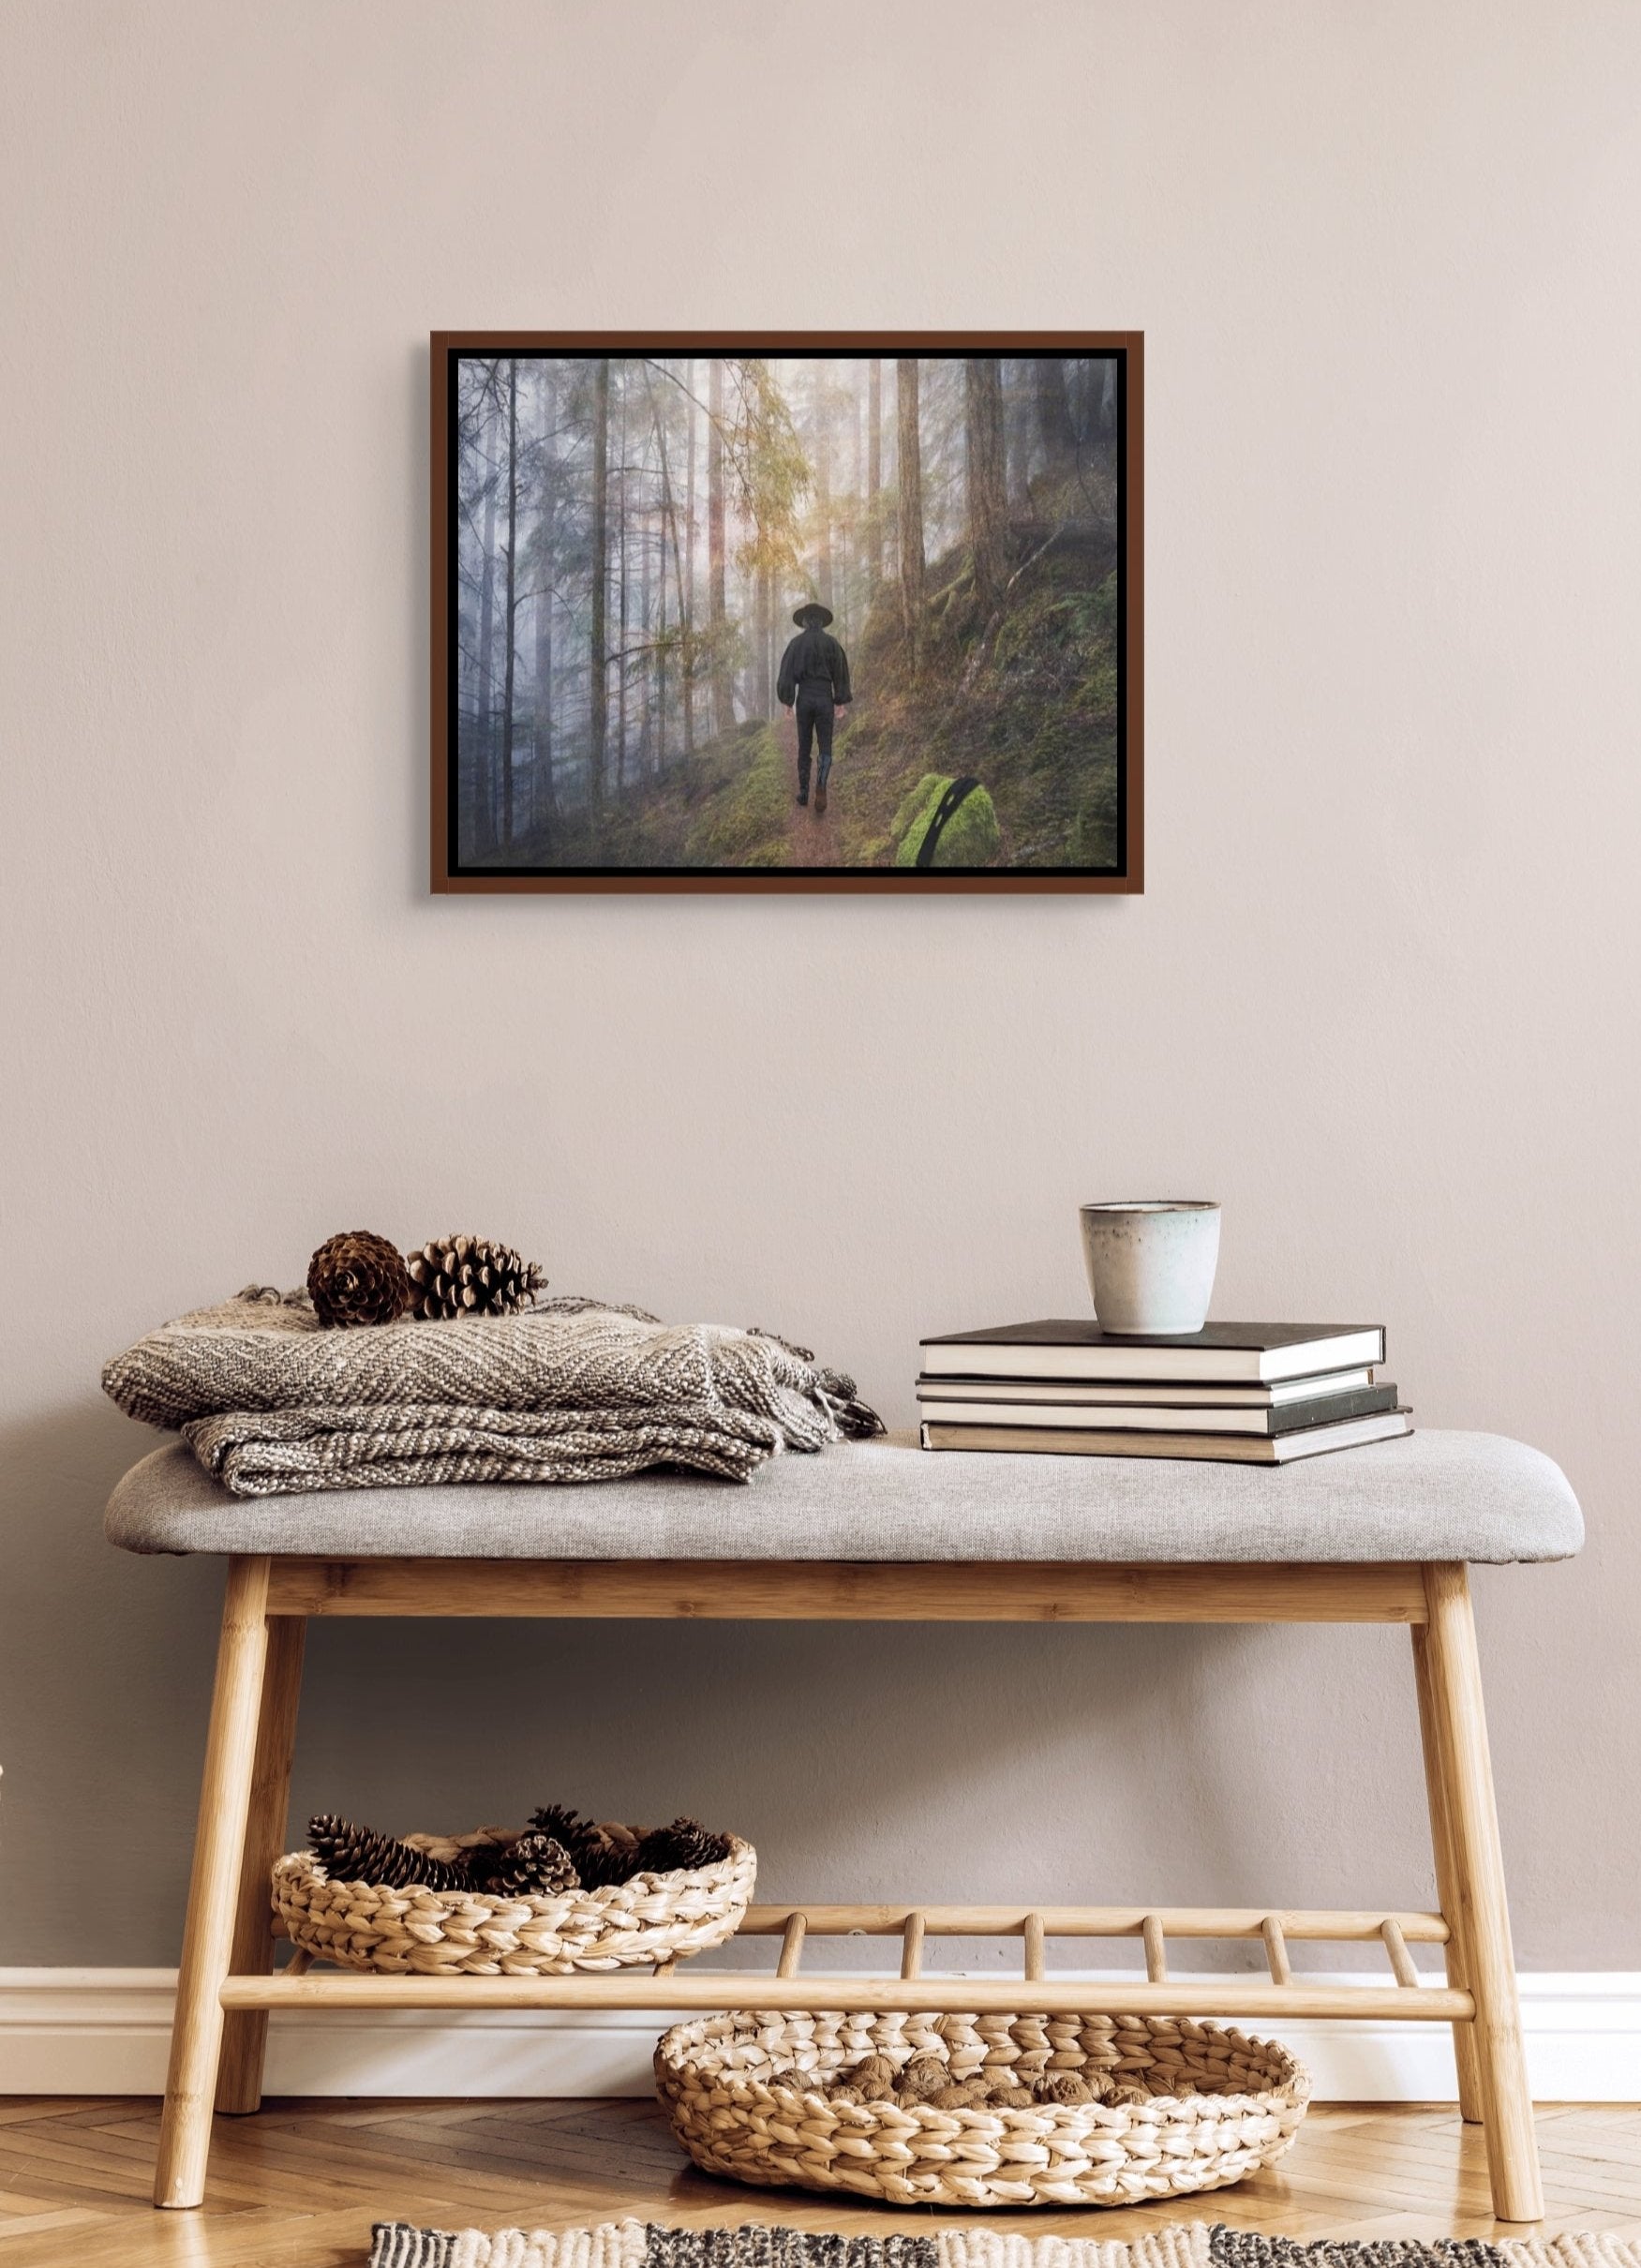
(811, 840)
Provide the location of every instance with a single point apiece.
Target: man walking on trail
(815, 674)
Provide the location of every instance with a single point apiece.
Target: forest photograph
(829, 614)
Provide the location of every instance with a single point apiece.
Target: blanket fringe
(631, 2243)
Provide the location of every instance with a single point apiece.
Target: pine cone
(483, 1854)
(872, 2081)
(358, 1277)
(358, 1853)
(602, 1854)
(1007, 2094)
(922, 2078)
(602, 1859)
(679, 1848)
(558, 1821)
(470, 1276)
(537, 1866)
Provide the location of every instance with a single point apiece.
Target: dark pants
(814, 724)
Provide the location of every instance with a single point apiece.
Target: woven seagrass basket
(745, 2100)
(422, 1933)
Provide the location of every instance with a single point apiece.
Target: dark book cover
(1324, 1410)
(1095, 1417)
(1252, 1338)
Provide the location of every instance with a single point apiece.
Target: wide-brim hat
(813, 616)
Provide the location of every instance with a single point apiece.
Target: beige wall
(1379, 998)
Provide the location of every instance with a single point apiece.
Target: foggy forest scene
(631, 536)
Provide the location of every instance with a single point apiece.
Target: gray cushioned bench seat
(1432, 1495)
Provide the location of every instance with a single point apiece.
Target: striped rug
(1190, 2245)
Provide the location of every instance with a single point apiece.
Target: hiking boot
(820, 802)
(802, 800)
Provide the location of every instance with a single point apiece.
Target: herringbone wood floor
(299, 2184)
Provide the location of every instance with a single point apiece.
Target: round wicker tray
(743, 2100)
(422, 1933)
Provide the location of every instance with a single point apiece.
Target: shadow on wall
(878, 1761)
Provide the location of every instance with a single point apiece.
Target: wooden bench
(879, 1532)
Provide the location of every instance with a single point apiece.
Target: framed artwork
(843, 612)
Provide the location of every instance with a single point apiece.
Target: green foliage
(1026, 702)
(1093, 832)
(769, 463)
(971, 836)
(748, 816)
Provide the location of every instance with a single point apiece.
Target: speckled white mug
(1151, 1264)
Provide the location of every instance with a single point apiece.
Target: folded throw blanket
(269, 1402)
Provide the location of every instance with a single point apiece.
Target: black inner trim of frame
(873, 877)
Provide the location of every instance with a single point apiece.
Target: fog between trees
(633, 534)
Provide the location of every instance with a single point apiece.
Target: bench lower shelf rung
(709, 1989)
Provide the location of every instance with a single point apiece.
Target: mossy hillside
(748, 814)
(1024, 700)
(725, 805)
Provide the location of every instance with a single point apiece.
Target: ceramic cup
(1151, 1264)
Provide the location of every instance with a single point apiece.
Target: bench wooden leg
(1464, 2035)
(1465, 1778)
(231, 1747)
(244, 2031)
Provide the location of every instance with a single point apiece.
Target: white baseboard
(106, 2032)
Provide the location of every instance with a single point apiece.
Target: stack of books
(1257, 1393)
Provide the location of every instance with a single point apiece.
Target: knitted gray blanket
(269, 1402)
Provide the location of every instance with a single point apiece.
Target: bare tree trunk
(988, 495)
(512, 607)
(853, 550)
(717, 611)
(543, 801)
(1016, 434)
(1059, 436)
(646, 648)
(669, 528)
(874, 469)
(1104, 397)
(660, 671)
(621, 662)
(771, 641)
(689, 606)
(823, 485)
(762, 601)
(597, 700)
(911, 506)
(483, 815)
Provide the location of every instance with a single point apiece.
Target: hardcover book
(1229, 1448)
(988, 1405)
(1060, 1349)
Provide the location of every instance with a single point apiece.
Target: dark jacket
(814, 662)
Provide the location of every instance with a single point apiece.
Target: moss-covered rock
(971, 837)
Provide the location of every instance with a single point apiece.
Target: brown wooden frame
(1129, 881)
(228, 1985)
